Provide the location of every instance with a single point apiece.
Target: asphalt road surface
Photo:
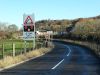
(64, 59)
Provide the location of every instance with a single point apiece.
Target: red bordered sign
(28, 21)
(28, 24)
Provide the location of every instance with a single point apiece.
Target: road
(64, 59)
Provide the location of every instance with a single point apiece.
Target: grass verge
(7, 61)
(93, 46)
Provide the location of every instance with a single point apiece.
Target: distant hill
(61, 25)
(88, 26)
(80, 26)
(55, 25)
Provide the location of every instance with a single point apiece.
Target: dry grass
(13, 60)
(93, 46)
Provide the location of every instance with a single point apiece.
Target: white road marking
(58, 64)
(62, 59)
(68, 49)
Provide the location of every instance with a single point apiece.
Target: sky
(11, 11)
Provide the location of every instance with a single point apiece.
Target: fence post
(13, 49)
(25, 47)
(22, 49)
(3, 51)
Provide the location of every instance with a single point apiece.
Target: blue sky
(11, 11)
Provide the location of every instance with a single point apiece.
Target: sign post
(29, 28)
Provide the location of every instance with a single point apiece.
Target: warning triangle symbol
(28, 20)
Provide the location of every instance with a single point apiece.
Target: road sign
(28, 20)
(28, 35)
(28, 27)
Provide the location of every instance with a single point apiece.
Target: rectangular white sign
(28, 35)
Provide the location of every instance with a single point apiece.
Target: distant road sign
(28, 21)
(28, 27)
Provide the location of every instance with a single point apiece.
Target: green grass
(19, 46)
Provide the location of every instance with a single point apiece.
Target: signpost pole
(25, 47)
(34, 33)
(34, 43)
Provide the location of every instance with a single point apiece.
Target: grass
(93, 46)
(18, 43)
(13, 60)
(19, 46)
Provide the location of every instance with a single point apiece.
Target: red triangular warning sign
(28, 20)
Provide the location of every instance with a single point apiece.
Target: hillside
(55, 25)
(88, 27)
(78, 27)
(58, 24)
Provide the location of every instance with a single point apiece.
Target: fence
(15, 48)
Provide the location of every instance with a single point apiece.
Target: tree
(12, 28)
(3, 26)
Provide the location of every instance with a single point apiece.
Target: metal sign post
(34, 39)
(29, 28)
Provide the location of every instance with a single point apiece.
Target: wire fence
(14, 49)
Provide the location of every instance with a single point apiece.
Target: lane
(40, 66)
(68, 51)
(64, 59)
(82, 62)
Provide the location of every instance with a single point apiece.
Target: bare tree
(12, 28)
(3, 26)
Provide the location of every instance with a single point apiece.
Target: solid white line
(58, 64)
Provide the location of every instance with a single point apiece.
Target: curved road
(64, 59)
